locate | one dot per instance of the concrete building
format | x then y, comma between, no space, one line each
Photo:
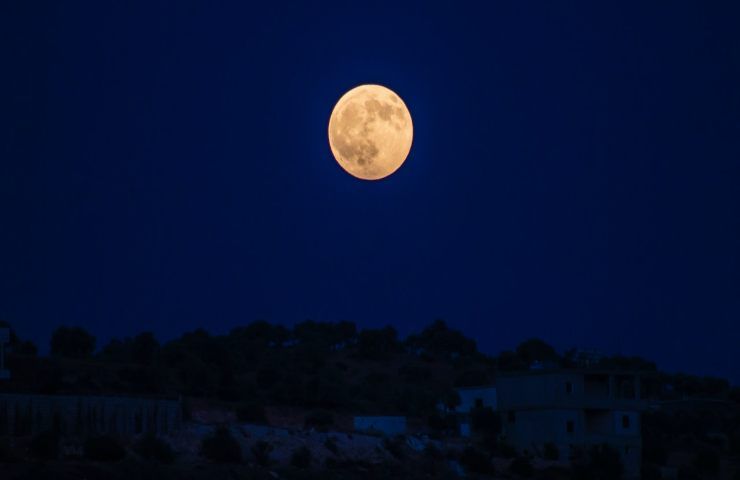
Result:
573,410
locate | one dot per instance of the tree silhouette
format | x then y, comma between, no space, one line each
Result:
536,350
16,344
72,342
439,340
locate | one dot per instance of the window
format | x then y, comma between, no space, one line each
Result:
568,387
478,403
625,421
511,417
570,426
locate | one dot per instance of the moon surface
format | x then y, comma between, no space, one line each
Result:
370,132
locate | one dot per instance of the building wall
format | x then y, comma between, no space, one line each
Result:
626,422
386,425
570,390
84,415
470,397
532,390
599,422
571,411
531,429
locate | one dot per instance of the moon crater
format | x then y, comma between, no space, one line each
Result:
370,132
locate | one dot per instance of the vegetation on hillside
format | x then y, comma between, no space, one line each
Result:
317,365
330,368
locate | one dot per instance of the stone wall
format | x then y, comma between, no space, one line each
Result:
22,415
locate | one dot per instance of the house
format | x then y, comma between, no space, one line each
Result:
573,409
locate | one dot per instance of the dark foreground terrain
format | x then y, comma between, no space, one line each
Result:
313,378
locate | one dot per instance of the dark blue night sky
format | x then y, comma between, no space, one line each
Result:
575,173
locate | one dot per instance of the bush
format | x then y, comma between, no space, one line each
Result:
301,457
251,413
485,420
551,452
153,449
650,472
654,453
221,447
45,446
687,473
331,445
475,461
321,420
489,444
6,452
707,461
72,342
104,449
432,452
603,462
395,446
261,451
520,466
443,423
267,377
506,450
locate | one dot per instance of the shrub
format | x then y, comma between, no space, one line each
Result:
520,466
331,444
104,449
475,461
267,377
6,452
221,447
432,452
603,462
443,423
395,446
654,453
72,342
251,413
485,420
301,457
506,450
487,442
45,446
650,472
550,452
687,473
153,449
261,451
321,420
707,461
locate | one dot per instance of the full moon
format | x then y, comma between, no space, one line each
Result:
370,132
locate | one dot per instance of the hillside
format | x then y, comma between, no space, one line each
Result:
317,375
